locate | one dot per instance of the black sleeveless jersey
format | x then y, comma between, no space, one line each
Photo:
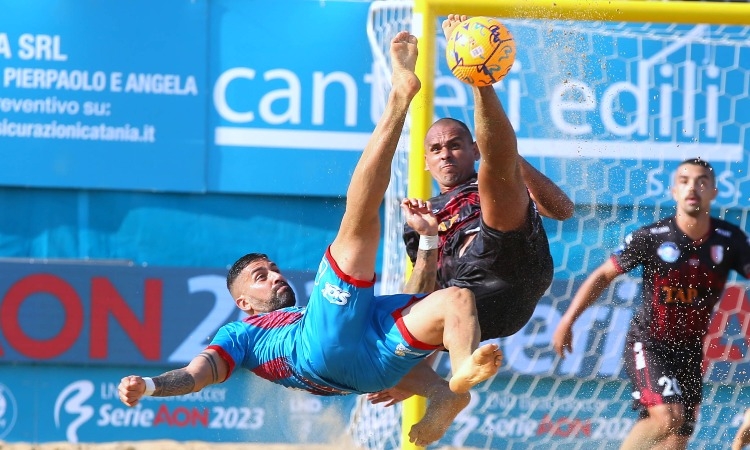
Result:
682,279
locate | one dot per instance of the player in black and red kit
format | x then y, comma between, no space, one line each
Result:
473,254
686,259
497,246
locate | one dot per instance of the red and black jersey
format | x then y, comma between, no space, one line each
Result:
508,272
682,279
457,212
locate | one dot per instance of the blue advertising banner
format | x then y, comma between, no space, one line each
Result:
76,404
105,314
104,94
81,405
81,322
290,117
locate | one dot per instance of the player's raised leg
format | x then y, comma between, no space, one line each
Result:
449,317
356,243
455,310
502,189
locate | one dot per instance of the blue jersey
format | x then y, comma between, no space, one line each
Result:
347,340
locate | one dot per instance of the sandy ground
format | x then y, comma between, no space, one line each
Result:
162,445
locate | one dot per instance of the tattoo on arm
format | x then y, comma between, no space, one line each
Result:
174,382
214,370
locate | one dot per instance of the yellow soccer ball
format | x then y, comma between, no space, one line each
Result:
480,51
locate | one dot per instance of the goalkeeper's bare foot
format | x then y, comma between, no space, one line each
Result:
442,409
451,23
404,60
481,365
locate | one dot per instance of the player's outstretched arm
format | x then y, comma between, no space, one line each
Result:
587,294
551,201
205,369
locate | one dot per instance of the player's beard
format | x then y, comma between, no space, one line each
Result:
283,299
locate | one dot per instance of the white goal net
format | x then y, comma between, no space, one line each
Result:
607,110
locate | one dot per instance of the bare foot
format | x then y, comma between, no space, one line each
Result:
482,364
451,23
404,60
742,438
442,409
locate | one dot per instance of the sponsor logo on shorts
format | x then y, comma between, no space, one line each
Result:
402,350
8,411
335,294
668,252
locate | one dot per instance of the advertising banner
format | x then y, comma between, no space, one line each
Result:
107,94
90,325
105,314
291,93
73,404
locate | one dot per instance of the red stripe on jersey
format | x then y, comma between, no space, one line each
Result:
408,337
225,356
345,277
617,264
275,369
274,319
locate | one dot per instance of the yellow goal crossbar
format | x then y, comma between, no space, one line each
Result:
425,15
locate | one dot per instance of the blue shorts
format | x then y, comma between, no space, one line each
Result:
354,339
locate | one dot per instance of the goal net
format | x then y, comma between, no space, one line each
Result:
607,109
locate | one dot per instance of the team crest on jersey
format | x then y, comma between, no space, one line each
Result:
717,254
335,294
668,252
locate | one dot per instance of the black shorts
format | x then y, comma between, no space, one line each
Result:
508,272
665,374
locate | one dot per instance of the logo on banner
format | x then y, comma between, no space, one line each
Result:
8,410
71,400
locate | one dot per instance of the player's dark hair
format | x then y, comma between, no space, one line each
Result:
240,265
702,163
463,126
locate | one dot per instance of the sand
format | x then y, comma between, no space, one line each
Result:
161,445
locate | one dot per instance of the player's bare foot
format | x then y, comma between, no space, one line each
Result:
451,23
482,364
404,60
442,409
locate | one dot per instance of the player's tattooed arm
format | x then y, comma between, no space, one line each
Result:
174,382
202,371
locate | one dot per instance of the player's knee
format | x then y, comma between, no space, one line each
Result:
461,299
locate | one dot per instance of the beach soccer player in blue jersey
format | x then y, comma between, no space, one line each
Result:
347,340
